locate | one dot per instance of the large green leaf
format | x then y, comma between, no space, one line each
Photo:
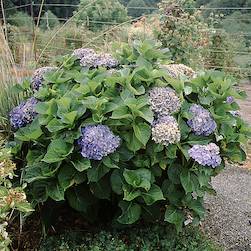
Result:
153,195
57,150
81,163
55,125
174,216
130,193
29,132
55,191
130,212
68,176
186,181
139,178
80,198
116,182
101,189
142,132
39,171
95,173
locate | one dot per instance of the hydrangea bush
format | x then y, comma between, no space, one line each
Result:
123,137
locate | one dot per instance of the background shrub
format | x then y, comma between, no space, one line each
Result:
95,16
49,21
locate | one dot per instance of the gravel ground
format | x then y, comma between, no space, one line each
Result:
228,220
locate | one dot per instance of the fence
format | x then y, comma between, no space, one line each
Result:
42,46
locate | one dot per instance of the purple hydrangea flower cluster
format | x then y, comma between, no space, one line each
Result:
83,52
202,122
97,141
230,99
164,101
206,155
38,77
89,58
165,130
23,114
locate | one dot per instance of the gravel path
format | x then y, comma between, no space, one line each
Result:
229,213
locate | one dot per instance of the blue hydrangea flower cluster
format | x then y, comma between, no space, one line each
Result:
23,114
38,77
89,58
230,99
97,141
202,122
206,155
164,101
165,130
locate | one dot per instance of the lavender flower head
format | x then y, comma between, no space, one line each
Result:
97,141
23,114
83,52
38,77
106,60
206,155
229,99
164,101
165,130
89,58
202,122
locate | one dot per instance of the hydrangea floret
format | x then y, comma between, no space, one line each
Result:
164,101
206,155
97,141
23,114
201,122
165,130
230,99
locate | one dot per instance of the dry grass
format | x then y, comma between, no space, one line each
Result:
8,77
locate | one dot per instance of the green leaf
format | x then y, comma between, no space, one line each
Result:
197,207
174,216
142,132
81,163
46,108
68,176
101,189
24,207
30,132
39,171
55,125
116,182
57,150
139,178
80,198
186,181
69,118
130,193
132,142
64,105
95,173
130,212
153,195
55,191
122,113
